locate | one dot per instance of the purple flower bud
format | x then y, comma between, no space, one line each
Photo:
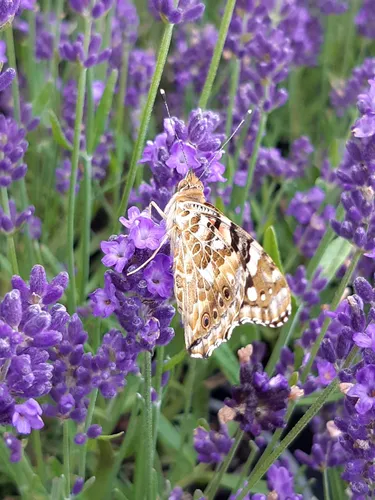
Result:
14,445
80,438
11,308
363,288
94,431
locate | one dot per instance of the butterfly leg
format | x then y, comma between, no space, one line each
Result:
157,208
163,241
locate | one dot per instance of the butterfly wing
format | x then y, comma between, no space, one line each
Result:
209,284
223,278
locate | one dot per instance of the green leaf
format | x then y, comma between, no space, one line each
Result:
334,256
109,437
271,246
103,471
228,363
58,133
170,437
41,101
337,485
104,108
311,398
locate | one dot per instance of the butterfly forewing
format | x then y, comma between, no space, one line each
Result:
223,277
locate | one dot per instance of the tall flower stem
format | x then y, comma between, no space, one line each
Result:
120,123
145,119
11,53
12,255
250,173
158,389
213,486
72,295
66,455
223,30
37,447
83,449
269,456
335,302
147,436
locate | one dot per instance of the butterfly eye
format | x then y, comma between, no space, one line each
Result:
226,292
206,320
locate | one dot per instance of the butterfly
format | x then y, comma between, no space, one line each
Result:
222,276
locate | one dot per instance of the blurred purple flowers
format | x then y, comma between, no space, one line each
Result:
212,446
185,12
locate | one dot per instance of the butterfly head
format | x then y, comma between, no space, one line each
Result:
191,184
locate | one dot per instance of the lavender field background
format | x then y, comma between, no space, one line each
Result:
98,397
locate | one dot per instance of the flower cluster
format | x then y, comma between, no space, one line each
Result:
212,446
13,221
259,403
356,175
365,20
74,51
13,147
185,12
144,314
307,291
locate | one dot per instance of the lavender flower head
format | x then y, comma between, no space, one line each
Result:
185,12
212,446
8,10
13,147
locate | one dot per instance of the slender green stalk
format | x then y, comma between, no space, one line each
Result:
11,53
157,386
174,361
87,191
83,448
72,300
223,30
250,173
37,447
12,255
327,495
247,466
145,119
120,123
349,34
335,302
283,339
147,436
233,88
289,438
66,455
213,486
32,76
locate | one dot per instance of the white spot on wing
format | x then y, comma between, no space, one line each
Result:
254,259
252,294
276,275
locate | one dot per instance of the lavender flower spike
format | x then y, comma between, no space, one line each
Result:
8,10
186,11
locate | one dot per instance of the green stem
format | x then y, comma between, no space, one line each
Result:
327,495
32,74
174,361
83,449
147,437
72,298
157,386
12,254
286,334
250,173
289,438
120,124
37,447
224,26
349,33
214,484
11,53
233,88
66,453
86,234
145,119
335,302
247,466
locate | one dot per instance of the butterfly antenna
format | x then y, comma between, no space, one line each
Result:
164,97
221,150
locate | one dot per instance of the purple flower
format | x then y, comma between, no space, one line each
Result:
365,19
74,51
8,10
80,438
26,416
6,78
117,252
14,446
146,234
364,390
94,431
77,486
12,147
259,402
308,292
186,11
159,277
15,220
182,157
104,300
212,446
281,481
365,126
39,291
326,372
